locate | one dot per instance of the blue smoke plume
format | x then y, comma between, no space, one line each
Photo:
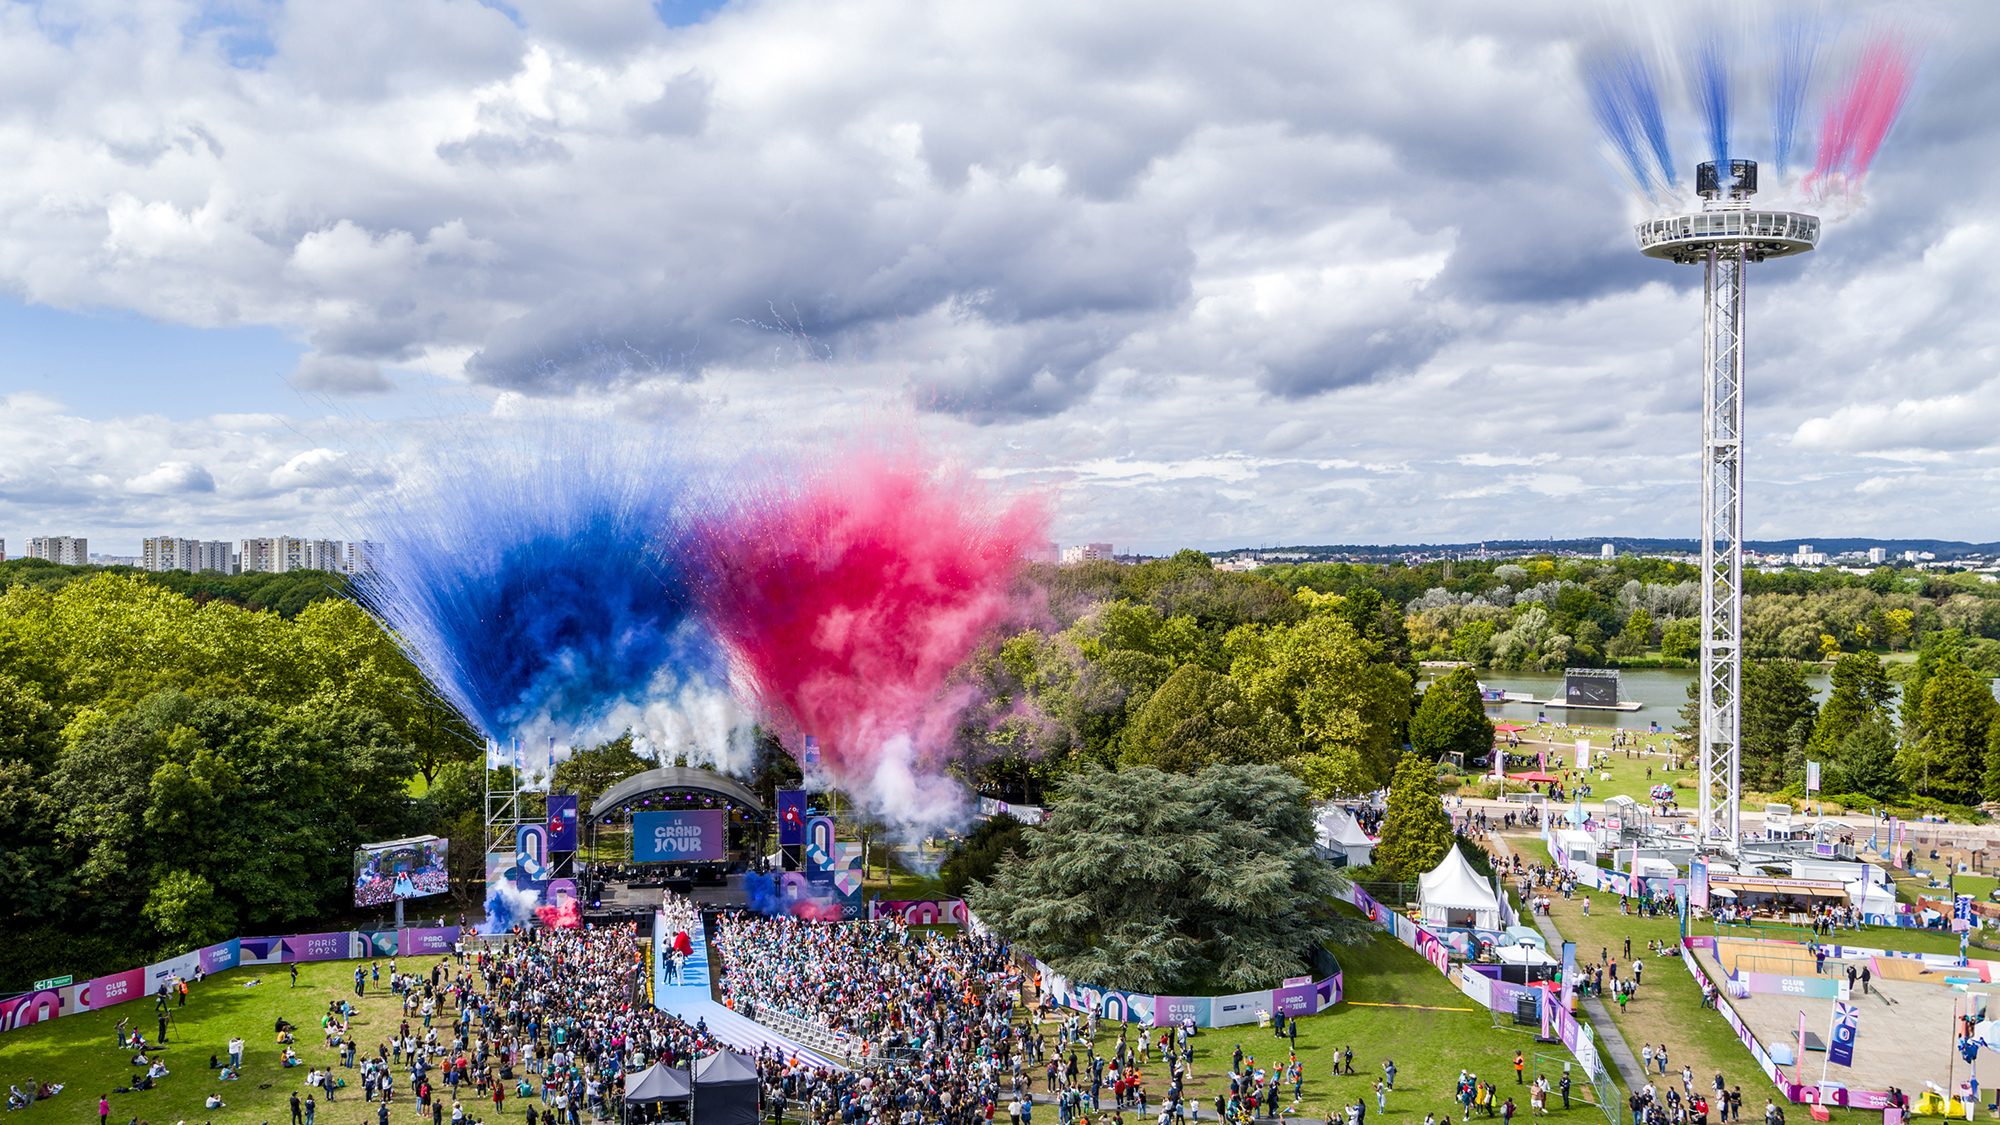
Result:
763,893
549,591
1797,40
1709,75
1626,102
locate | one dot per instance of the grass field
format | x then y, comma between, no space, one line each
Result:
1397,1007
80,1053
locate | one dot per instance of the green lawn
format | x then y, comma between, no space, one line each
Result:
1423,1022
79,1052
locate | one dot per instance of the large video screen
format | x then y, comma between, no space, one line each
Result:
397,869
1591,687
683,836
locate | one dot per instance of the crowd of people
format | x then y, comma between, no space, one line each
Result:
550,1017
880,982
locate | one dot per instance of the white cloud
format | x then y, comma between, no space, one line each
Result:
172,477
1314,273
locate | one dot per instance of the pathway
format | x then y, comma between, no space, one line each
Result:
1608,1037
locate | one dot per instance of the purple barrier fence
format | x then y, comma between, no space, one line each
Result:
106,991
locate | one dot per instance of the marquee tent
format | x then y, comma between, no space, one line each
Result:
1453,894
1338,834
657,1083
725,1090
1871,898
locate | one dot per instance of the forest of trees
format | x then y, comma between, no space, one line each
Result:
173,772
184,757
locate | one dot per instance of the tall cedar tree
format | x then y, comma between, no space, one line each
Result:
1861,689
1416,831
1452,718
1160,882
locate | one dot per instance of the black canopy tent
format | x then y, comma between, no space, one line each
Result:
728,1090
657,1092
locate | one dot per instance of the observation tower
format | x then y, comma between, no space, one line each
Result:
1724,237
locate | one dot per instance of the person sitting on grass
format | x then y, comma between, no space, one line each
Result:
291,1058
157,1070
229,1074
214,1101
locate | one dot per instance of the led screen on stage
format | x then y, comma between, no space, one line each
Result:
397,869
681,836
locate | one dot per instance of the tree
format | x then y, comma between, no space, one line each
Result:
1956,714
978,858
1160,882
1865,761
1680,638
1778,711
1416,831
1200,718
1639,627
1452,718
588,773
1861,690
183,907
1347,712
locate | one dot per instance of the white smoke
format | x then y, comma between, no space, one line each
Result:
672,720
910,802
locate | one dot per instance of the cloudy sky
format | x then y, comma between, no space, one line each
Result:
1213,274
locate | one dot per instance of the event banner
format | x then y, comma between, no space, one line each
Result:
791,817
1698,882
920,912
562,822
260,951
1295,1000
680,836
379,943
30,1008
425,943
1172,1011
114,989
819,847
225,955
319,947
1846,1026
171,970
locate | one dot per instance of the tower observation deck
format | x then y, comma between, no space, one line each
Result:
1724,237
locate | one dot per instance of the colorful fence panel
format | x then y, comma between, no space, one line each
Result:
921,912
132,984
1148,1010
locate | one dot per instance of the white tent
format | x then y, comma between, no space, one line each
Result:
1870,898
1455,895
1523,954
1338,833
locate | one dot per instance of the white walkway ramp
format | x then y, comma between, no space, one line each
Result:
746,1034
688,997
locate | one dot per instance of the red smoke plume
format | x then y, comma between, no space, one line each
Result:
848,599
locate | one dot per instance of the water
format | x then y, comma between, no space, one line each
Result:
1662,691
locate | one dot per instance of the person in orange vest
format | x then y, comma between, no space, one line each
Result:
1520,1064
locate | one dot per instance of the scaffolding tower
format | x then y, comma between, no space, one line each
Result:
1724,237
